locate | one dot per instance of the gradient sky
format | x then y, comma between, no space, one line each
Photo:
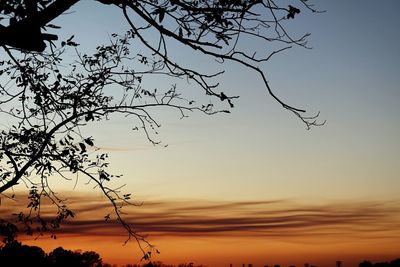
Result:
261,152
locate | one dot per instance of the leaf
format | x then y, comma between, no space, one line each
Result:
161,14
223,96
70,43
104,176
89,141
89,117
83,147
69,213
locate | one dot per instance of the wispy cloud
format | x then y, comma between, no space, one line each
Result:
279,218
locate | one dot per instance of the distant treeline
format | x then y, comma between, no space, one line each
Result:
393,263
16,254
13,253
160,264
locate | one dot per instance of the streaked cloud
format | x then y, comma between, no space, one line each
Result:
280,218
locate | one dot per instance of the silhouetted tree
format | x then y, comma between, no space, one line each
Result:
66,258
8,231
150,264
22,255
48,101
15,254
365,264
160,264
395,263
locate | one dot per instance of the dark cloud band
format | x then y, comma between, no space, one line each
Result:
258,218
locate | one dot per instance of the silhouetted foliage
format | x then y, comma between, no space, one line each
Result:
8,231
66,258
160,264
48,100
22,255
393,263
365,264
17,254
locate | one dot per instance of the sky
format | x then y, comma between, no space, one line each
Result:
260,187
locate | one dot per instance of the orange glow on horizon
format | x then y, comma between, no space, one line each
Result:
222,251
222,233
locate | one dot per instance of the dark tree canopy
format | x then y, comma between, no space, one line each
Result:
48,99
16,254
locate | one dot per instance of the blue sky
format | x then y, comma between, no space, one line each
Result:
261,150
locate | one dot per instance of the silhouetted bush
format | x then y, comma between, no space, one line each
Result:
15,254
393,263
65,258
8,231
365,264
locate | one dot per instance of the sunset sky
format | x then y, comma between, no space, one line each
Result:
255,186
